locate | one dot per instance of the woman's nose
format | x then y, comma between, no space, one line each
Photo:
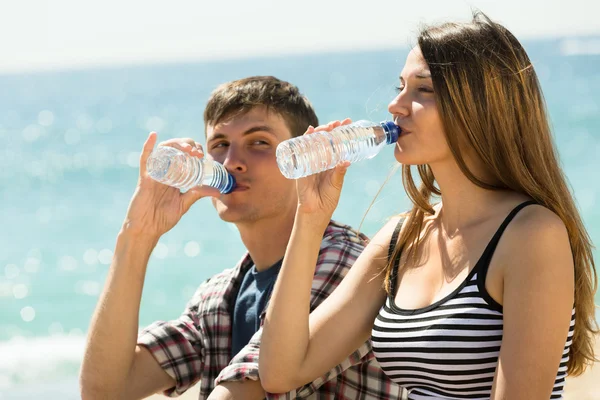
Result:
399,105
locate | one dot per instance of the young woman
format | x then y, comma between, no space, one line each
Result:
489,293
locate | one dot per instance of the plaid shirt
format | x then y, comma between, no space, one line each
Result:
197,346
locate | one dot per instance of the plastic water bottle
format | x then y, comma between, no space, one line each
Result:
175,168
309,154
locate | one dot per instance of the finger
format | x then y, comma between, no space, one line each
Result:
186,145
182,146
195,194
146,150
328,127
324,128
346,121
309,130
195,148
337,179
198,150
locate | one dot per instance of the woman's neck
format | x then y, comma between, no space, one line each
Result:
464,204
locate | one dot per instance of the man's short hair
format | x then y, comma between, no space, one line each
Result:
238,97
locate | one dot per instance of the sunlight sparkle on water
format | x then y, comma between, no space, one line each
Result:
191,249
20,291
104,125
133,159
90,257
45,118
32,265
67,263
161,251
11,271
155,123
72,136
32,132
56,328
28,314
105,256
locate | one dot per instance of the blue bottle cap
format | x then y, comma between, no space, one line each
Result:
230,185
392,131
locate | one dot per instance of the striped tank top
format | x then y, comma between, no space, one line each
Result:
450,349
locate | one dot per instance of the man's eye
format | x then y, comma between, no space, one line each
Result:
399,89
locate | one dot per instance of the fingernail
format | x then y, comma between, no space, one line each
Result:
311,127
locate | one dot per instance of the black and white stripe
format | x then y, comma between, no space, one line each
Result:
450,349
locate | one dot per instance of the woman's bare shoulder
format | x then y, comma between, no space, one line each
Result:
535,238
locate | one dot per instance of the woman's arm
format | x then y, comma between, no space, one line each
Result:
296,349
537,264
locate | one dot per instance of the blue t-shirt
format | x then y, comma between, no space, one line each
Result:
251,300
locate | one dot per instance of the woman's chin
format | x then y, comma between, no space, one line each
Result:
404,158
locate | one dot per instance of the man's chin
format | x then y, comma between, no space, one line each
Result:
229,217
228,214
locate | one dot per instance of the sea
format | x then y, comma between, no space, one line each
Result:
69,163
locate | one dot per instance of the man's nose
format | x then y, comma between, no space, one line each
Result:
235,160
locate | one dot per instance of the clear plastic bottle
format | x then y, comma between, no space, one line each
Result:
309,154
175,168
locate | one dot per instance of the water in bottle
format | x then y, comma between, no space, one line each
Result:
309,154
175,168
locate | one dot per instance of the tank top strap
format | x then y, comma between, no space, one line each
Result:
486,257
393,243
394,239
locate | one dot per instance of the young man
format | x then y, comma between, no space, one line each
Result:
211,342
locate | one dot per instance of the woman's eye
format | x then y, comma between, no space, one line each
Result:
423,89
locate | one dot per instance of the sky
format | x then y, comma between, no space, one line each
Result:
59,34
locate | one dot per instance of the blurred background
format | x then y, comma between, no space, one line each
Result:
82,84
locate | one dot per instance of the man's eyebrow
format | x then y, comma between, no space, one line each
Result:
257,128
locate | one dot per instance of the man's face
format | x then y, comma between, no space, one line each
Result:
246,145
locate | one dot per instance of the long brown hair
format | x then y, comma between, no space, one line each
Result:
490,100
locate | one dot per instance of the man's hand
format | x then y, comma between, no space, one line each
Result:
246,390
155,208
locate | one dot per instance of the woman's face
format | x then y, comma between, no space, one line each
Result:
422,140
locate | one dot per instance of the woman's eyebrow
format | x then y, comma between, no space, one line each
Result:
420,75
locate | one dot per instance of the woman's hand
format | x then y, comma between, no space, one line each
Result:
318,194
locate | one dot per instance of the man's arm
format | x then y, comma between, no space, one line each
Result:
113,365
241,372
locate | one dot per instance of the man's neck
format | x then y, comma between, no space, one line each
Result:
266,240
